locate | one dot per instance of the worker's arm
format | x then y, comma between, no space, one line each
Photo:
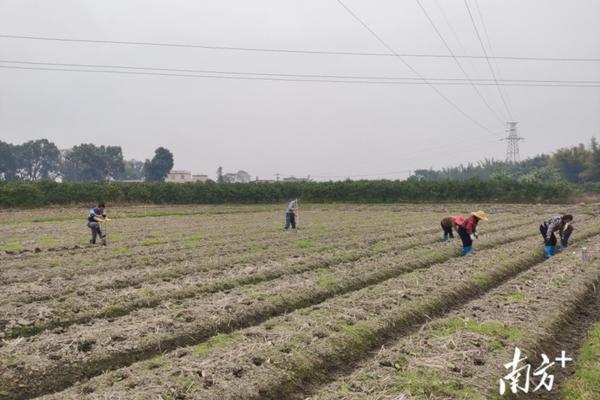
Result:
551,228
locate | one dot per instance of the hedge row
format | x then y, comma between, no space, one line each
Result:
36,194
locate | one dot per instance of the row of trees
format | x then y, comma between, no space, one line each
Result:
579,164
42,160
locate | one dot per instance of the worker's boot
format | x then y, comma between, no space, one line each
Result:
548,251
445,236
466,250
552,250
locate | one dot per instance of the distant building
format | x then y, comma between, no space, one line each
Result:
183,176
237,177
294,179
263,180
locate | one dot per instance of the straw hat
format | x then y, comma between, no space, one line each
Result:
480,214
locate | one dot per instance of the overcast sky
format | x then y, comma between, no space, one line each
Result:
301,128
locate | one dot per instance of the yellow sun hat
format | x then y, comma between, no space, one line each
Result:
480,214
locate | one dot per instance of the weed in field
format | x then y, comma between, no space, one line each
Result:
147,293
360,334
47,241
560,281
244,260
120,250
168,274
493,329
482,279
431,384
159,362
192,241
152,242
325,279
117,237
380,246
11,246
54,264
513,297
429,253
585,384
304,243
215,342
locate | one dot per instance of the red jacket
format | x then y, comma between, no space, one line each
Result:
453,221
470,224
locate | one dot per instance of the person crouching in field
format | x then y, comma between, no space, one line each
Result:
468,230
560,223
290,214
96,216
449,224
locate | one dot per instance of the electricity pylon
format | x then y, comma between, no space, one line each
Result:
512,143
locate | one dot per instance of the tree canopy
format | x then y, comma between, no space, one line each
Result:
157,169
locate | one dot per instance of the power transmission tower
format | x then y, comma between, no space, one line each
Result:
512,143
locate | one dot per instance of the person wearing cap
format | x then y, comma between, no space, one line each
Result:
563,224
468,230
449,224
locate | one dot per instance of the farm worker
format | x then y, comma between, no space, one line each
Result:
449,224
290,214
96,216
561,223
467,230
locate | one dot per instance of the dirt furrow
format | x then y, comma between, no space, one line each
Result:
462,355
114,303
419,297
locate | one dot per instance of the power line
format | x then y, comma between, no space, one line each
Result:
324,76
458,62
258,78
294,51
487,38
391,50
488,60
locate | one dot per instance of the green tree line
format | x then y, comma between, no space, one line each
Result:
578,165
42,160
36,194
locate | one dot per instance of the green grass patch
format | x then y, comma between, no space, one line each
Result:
427,383
513,297
192,241
585,383
428,253
216,342
360,334
120,250
492,329
11,246
47,241
116,237
54,264
482,279
152,242
380,246
304,243
159,362
325,279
